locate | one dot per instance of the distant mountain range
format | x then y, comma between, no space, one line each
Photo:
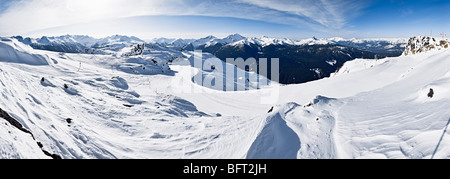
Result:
81,43
300,60
387,47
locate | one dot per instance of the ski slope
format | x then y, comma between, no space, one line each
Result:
119,109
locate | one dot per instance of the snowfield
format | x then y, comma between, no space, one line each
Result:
107,106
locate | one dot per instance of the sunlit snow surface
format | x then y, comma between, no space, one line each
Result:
369,109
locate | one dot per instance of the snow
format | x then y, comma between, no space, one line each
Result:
203,41
229,39
365,40
332,62
85,44
358,65
313,41
264,41
13,51
230,81
276,141
423,44
82,39
15,144
368,109
211,40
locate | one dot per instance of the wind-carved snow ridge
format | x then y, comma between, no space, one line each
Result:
11,50
295,131
276,140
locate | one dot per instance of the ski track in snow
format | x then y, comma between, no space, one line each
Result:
373,109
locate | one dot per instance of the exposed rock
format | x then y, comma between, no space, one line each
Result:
422,44
271,110
69,120
431,93
15,123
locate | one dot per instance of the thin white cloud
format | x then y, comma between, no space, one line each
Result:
329,13
30,15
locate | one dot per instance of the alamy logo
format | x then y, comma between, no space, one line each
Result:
213,75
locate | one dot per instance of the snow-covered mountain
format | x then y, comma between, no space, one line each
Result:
103,106
211,41
179,43
387,46
118,41
66,43
305,60
81,43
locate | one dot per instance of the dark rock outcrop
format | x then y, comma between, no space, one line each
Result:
16,124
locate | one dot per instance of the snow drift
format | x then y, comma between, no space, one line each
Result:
13,51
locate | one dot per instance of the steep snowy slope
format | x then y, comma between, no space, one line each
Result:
104,106
394,118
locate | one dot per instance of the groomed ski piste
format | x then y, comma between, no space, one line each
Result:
107,106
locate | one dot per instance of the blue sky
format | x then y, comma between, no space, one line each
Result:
403,18
295,19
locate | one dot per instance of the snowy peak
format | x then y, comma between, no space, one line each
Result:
368,43
264,41
212,41
81,43
172,42
230,39
122,38
65,39
370,40
44,40
420,44
235,37
391,46
118,39
385,46
203,41
84,40
314,41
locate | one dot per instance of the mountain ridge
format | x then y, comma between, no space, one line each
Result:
302,60
84,41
